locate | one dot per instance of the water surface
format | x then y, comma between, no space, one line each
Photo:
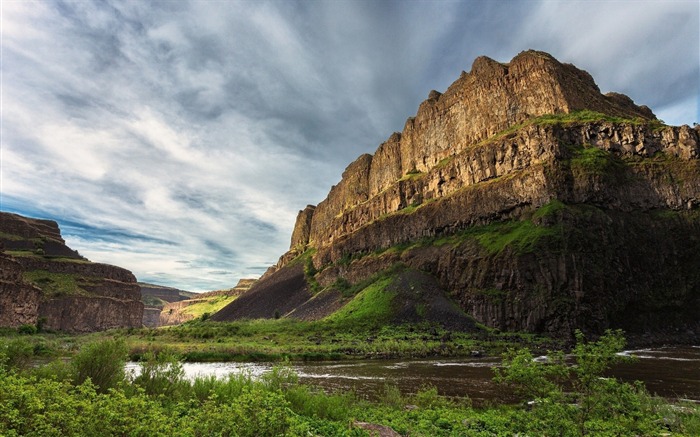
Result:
671,372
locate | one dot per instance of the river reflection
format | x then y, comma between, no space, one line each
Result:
672,372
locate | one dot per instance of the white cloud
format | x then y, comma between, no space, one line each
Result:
191,133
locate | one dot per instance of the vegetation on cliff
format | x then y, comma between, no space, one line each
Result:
44,282
534,201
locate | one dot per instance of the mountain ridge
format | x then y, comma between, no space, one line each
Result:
46,283
534,151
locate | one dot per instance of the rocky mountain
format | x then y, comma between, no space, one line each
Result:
175,313
155,297
44,282
527,197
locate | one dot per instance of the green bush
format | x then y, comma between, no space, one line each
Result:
27,329
102,362
256,412
309,402
162,374
16,353
58,370
576,399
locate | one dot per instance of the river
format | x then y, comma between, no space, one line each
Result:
671,372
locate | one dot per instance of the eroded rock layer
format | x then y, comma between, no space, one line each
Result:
537,203
46,283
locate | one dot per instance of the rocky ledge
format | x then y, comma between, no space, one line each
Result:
536,202
46,283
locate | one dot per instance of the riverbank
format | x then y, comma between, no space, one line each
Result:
285,339
91,395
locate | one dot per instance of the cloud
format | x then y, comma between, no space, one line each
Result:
179,139
648,50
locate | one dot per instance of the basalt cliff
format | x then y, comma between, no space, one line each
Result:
522,194
45,283
201,305
156,297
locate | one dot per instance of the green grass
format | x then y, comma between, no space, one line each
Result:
90,395
592,160
583,116
411,175
550,208
371,305
212,305
494,295
13,237
32,254
57,284
444,162
575,117
522,236
153,301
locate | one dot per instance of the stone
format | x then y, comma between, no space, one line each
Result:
302,229
618,188
106,296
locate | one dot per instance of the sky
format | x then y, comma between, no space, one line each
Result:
179,139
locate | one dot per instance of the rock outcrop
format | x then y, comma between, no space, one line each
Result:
45,282
175,313
533,176
19,300
155,297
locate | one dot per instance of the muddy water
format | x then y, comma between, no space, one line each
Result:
672,372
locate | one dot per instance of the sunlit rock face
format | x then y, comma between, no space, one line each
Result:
539,204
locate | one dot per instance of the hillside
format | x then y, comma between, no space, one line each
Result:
535,203
155,297
201,304
46,283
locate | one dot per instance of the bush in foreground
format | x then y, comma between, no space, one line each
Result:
567,400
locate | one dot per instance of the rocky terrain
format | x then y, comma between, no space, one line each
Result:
534,201
181,311
45,283
155,297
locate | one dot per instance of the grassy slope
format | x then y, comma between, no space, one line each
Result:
210,305
55,284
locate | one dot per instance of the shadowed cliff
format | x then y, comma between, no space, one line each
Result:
534,201
46,283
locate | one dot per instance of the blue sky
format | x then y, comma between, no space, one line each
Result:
179,139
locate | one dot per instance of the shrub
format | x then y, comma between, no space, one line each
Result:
101,362
308,402
16,353
256,412
162,374
27,329
577,399
391,396
58,370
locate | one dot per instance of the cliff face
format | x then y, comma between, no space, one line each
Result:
533,177
155,297
43,279
19,300
491,98
600,162
175,313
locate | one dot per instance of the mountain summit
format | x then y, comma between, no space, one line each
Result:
523,195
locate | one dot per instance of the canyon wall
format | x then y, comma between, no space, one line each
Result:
45,282
538,204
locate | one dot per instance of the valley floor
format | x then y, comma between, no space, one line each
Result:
81,389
